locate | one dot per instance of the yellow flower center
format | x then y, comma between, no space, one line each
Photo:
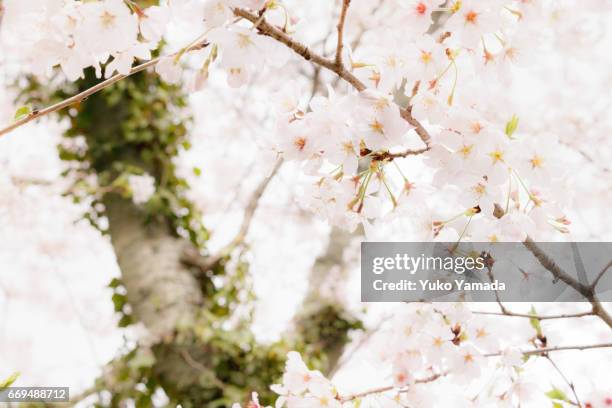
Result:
426,57
466,150
377,127
108,20
381,103
391,61
536,161
479,189
497,156
244,41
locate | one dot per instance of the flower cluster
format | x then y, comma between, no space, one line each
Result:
444,341
419,95
76,35
424,140
496,182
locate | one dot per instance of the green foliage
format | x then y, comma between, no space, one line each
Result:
120,303
4,384
139,126
535,322
324,330
22,112
134,127
557,394
511,126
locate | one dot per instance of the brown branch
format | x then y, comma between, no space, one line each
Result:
387,156
553,349
341,21
406,114
302,50
436,376
601,274
392,156
35,114
587,291
549,264
192,257
379,390
269,30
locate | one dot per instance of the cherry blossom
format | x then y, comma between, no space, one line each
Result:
461,120
141,187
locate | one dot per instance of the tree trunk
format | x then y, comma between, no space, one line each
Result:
161,291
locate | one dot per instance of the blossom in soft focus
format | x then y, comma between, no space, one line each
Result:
141,187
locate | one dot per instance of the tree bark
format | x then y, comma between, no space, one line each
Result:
161,291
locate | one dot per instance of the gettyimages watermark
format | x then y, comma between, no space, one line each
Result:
486,272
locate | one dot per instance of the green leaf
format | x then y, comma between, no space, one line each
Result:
142,359
197,171
7,383
557,394
511,126
22,112
114,283
557,405
119,301
535,323
125,321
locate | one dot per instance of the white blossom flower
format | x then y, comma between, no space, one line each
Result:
107,26
170,70
154,23
141,187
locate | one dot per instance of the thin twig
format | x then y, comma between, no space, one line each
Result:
35,114
364,339
341,21
601,274
193,258
379,390
568,382
554,349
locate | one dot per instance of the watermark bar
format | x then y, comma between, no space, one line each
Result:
35,394
486,272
